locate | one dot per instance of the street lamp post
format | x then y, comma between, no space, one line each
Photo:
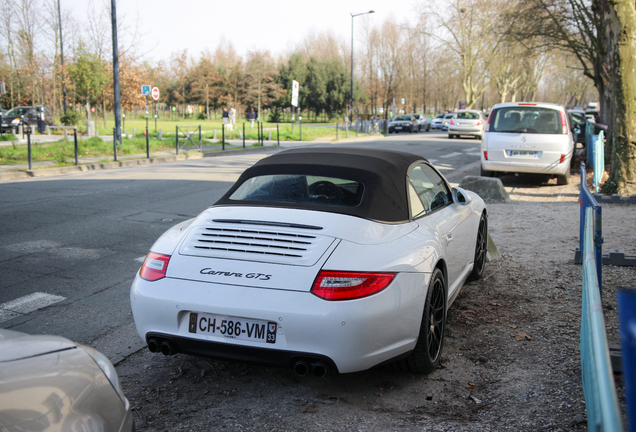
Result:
351,96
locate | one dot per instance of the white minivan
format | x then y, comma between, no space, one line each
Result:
528,137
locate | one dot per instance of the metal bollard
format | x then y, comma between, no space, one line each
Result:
115,143
243,134
336,131
626,298
223,138
28,134
147,140
177,135
277,135
76,149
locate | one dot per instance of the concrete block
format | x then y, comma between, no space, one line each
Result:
488,188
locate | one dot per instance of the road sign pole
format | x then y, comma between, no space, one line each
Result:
147,139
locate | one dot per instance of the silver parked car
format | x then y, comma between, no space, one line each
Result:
423,124
48,383
528,137
467,122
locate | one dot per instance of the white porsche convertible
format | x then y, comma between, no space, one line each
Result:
319,259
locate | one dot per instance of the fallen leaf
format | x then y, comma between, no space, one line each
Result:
308,409
164,411
513,326
322,395
522,336
379,394
495,304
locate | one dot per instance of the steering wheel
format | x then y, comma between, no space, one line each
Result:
326,189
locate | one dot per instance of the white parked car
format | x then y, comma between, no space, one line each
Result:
446,120
528,137
467,122
317,259
437,122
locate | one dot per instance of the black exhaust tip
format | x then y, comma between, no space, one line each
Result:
168,348
301,368
319,369
153,345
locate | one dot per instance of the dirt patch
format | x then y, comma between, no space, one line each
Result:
511,360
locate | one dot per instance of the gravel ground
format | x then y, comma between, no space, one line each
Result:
511,360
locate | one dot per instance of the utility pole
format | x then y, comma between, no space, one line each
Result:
59,14
116,91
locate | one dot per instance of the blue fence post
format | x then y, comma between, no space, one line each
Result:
588,200
627,319
598,383
599,161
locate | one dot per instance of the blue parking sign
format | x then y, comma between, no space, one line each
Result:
145,90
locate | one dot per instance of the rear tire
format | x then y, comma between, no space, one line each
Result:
428,350
481,249
564,179
484,173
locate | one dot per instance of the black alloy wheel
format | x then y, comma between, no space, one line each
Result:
428,350
481,249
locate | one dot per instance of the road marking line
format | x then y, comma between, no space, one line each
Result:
27,304
451,155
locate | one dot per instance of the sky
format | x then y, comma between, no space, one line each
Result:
169,26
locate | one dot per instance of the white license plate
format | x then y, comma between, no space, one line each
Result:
232,327
520,153
398,127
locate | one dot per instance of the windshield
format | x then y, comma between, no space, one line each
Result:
467,115
526,119
402,118
302,189
17,112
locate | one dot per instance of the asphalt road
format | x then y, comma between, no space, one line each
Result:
71,244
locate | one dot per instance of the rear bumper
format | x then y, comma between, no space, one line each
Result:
528,167
350,335
465,131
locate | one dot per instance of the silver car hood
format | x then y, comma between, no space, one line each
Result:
17,345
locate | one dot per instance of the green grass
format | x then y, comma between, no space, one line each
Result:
63,150
8,137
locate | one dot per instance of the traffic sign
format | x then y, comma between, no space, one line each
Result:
155,93
145,90
294,100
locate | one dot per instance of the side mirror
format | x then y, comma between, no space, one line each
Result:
576,130
460,196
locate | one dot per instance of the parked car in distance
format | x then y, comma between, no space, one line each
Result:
316,259
403,123
467,122
596,115
446,121
27,114
423,124
48,383
528,137
437,122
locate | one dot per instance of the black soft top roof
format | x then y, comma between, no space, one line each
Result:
382,172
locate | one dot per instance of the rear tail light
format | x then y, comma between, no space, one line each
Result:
562,159
486,154
564,124
478,123
339,285
489,120
154,267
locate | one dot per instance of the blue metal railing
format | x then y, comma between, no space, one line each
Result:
627,318
588,200
598,383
